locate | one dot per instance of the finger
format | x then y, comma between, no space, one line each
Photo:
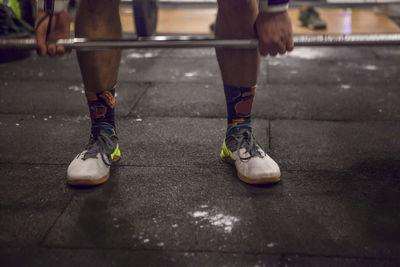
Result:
263,50
41,50
281,48
273,51
290,45
60,50
41,43
51,49
40,33
276,46
266,47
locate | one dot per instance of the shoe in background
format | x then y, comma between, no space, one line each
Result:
309,17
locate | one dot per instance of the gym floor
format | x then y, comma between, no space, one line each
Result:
329,116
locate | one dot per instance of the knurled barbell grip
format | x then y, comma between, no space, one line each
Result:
198,42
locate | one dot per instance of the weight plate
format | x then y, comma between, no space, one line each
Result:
145,14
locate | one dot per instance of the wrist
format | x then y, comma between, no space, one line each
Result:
54,6
273,6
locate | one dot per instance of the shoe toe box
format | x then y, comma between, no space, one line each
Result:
87,169
263,167
258,168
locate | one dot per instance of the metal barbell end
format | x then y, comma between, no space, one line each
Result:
201,42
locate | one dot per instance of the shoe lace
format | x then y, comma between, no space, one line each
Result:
102,144
245,139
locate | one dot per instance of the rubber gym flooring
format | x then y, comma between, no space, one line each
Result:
329,116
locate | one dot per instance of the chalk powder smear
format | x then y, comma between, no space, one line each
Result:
226,222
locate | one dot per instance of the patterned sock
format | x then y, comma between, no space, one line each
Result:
239,101
101,107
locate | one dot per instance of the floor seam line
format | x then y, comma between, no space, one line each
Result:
139,99
47,233
131,116
269,135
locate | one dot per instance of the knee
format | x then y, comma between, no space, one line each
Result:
99,6
236,18
238,7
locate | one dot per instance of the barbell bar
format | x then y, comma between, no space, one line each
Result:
187,41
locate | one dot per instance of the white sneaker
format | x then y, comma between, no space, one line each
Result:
92,166
252,164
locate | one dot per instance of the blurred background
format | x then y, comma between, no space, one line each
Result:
197,16
308,17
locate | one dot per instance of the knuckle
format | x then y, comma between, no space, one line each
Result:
263,51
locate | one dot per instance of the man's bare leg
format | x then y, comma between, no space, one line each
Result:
235,20
239,69
98,19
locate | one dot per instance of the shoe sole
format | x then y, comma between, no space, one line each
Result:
312,27
97,181
248,180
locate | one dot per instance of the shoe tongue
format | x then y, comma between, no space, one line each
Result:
243,131
91,149
101,130
232,140
93,146
238,130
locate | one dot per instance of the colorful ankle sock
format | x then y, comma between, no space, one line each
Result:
101,107
239,101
